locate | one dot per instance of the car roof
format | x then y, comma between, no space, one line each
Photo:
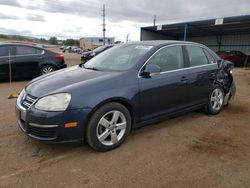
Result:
20,44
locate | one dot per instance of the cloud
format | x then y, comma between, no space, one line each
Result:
35,17
141,11
123,16
14,3
8,17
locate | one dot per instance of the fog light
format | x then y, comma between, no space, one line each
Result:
71,124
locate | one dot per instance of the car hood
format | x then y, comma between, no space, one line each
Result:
65,80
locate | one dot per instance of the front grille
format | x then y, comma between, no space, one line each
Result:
28,101
46,133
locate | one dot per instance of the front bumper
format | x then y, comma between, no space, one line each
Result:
49,126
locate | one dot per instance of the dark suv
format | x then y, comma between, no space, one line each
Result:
27,61
85,56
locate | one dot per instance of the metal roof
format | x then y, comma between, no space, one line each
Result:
230,26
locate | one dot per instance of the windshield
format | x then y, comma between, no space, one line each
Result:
118,58
99,49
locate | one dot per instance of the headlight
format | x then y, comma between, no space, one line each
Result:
56,102
20,96
231,71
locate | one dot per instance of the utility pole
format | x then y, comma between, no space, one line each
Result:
10,68
103,24
154,20
127,38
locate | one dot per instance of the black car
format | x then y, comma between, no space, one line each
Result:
27,61
126,87
85,56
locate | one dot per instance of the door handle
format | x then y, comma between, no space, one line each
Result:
184,79
9,61
213,74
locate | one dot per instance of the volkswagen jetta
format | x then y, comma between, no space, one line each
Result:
126,87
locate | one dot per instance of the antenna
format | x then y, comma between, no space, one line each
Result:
103,24
154,20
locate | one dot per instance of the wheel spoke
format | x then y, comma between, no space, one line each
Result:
120,126
104,135
213,99
114,137
220,95
115,117
104,122
214,105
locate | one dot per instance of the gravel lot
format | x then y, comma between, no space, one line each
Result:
193,150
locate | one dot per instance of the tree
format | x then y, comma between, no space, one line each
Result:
71,42
53,40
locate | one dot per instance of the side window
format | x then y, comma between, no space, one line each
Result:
25,50
196,56
4,51
209,57
39,51
238,53
168,58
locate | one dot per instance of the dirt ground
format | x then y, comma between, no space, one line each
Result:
193,150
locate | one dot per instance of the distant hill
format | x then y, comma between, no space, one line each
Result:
22,38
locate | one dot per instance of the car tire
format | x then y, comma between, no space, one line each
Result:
46,69
215,101
108,127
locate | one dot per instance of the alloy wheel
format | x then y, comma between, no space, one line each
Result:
47,69
111,128
217,99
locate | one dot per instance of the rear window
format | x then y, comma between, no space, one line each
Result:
209,56
26,50
196,56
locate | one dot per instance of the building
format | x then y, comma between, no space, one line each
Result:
90,43
231,33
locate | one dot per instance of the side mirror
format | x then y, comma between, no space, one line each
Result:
150,70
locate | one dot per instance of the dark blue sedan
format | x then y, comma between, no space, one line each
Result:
125,87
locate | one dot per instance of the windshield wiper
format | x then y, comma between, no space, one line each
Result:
91,68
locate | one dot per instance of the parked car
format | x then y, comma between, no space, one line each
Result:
28,61
62,47
85,56
76,50
238,58
123,88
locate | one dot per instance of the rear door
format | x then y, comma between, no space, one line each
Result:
6,59
26,62
167,92
201,74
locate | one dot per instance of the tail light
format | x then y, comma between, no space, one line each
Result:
59,56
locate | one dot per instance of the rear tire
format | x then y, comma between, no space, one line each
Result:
108,127
215,102
46,69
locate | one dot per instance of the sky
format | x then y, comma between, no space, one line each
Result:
82,18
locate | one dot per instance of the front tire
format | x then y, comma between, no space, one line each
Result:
215,102
108,127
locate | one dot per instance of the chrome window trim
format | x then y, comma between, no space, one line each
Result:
43,52
185,68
